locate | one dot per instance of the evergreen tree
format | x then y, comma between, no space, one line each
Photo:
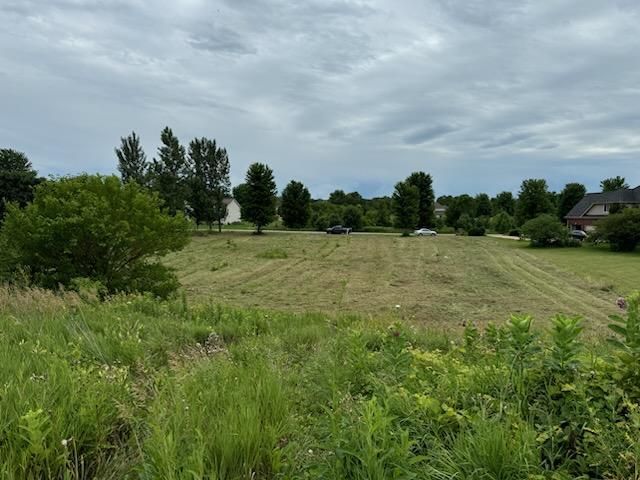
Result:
132,161
569,197
534,199
17,179
424,183
295,209
170,173
614,183
209,181
260,197
483,206
504,202
406,205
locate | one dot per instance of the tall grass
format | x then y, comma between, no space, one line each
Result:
136,388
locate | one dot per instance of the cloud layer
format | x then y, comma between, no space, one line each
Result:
336,93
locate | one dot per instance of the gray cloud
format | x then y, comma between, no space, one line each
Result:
426,134
328,91
507,140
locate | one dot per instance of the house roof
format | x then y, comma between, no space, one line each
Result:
439,206
227,200
622,195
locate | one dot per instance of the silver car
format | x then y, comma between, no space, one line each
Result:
425,232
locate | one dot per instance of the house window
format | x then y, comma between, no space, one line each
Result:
606,207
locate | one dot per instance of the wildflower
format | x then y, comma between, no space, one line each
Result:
310,452
622,303
397,306
66,441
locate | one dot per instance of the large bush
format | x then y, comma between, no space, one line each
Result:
93,227
621,230
502,222
546,231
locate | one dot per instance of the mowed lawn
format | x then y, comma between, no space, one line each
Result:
442,281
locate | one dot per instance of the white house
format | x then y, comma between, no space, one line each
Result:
233,210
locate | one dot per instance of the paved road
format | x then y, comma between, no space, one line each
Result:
314,232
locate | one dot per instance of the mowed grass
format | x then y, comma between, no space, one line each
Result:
441,281
597,265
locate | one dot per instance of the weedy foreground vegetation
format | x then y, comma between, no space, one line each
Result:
138,388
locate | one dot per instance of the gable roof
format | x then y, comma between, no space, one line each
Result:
622,195
228,200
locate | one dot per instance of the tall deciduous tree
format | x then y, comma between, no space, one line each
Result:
459,206
169,172
570,195
295,209
208,180
260,198
482,204
352,217
17,179
534,199
614,183
504,202
424,183
132,161
406,205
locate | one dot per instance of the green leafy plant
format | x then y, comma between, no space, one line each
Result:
628,345
565,348
96,228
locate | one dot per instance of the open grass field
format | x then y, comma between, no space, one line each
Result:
439,281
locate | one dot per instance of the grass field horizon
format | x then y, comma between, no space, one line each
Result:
441,281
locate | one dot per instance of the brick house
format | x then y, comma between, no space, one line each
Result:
595,206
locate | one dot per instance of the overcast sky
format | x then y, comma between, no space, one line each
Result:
335,93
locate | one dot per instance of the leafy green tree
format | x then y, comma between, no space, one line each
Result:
614,183
209,181
502,222
17,179
352,217
571,194
534,199
169,173
406,206
445,200
97,228
483,205
353,198
295,209
545,231
424,183
132,161
504,202
621,230
338,197
458,206
260,199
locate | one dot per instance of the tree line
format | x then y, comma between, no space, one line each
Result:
195,180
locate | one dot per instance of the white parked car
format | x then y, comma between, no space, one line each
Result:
425,232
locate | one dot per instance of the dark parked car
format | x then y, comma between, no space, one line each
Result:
578,234
339,230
